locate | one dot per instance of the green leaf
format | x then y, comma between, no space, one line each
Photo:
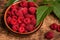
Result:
56,9
10,2
49,1
42,12
30,0
58,1
34,0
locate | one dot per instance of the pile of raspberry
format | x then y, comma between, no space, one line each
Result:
21,17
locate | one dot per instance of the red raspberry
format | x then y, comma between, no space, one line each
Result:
8,19
14,7
21,30
30,16
29,28
58,28
13,11
15,27
9,13
32,10
54,26
13,21
33,21
20,19
14,17
22,25
24,4
31,4
27,21
49,35
24,10
19,13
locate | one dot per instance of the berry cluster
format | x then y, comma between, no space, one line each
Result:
54,26
21,17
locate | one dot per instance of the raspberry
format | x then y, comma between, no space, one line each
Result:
9,13
24,10
33,21
20,19
32,10
24,4
30,16
49,35
22,25
8,19
29,28
27,21
13,6
19,13
15,27
54,26
31,4
13,11
14,17
58,28
13,21
21,30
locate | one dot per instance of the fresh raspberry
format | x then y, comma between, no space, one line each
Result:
49,35
24,10
13,11
15,27
20,19
13,21
8,19
30,16
24,4
29,28
22,25
14,17
21,30
32,10
54,26
19,13
27,21
58,28
33,21
9,13
31,4
13,6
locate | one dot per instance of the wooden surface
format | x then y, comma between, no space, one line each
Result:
38,35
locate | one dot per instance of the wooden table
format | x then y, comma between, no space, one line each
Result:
38,35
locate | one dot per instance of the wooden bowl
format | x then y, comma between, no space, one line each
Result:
15,31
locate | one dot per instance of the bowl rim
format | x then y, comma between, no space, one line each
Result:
15,31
